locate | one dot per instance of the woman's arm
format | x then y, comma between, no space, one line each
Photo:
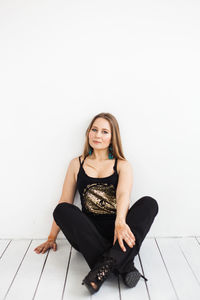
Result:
68,193
124,187
54,232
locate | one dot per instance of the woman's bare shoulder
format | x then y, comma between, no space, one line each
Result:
123,163
76,162
76,159
75,165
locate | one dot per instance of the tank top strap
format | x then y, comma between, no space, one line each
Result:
115,166
81,163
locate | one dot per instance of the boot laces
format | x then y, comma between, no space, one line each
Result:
103,272
105,269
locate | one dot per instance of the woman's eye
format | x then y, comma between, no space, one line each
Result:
103,131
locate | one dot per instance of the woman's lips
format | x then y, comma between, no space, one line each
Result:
96,142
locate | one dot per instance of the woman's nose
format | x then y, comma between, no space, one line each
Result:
98,134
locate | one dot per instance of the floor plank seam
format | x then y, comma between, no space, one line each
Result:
41,274
188,264
145,276
17,270
5,248
167,269
68,264
197,237
119,287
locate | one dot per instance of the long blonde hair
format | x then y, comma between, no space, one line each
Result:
115,133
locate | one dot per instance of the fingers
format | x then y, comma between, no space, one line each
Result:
132,235
121,244
37,250
44,250
115,237
54,247
129,240
44,247
125,234
40,249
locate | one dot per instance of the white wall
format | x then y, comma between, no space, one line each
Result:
62,62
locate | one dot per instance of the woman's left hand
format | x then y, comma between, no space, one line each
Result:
123,232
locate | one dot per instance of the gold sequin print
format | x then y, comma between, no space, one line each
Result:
100,198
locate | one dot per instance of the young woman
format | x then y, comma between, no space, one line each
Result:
106,231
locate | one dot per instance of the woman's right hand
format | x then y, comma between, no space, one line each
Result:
45,246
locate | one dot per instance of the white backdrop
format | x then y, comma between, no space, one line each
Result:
62,62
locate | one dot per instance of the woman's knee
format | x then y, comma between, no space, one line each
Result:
146,203
151,203
63,208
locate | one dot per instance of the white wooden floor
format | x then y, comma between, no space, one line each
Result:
171,265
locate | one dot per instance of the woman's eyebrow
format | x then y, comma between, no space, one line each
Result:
102,128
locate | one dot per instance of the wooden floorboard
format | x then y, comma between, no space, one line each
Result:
171,265
29,272
159,283
76,271
184,281
140,292
191,251
52,281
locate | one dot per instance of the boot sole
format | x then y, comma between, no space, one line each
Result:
132,278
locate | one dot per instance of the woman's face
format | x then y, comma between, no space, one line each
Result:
100,132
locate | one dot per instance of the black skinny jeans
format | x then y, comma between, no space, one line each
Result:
94,238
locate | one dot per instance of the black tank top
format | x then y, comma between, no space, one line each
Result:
98,195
